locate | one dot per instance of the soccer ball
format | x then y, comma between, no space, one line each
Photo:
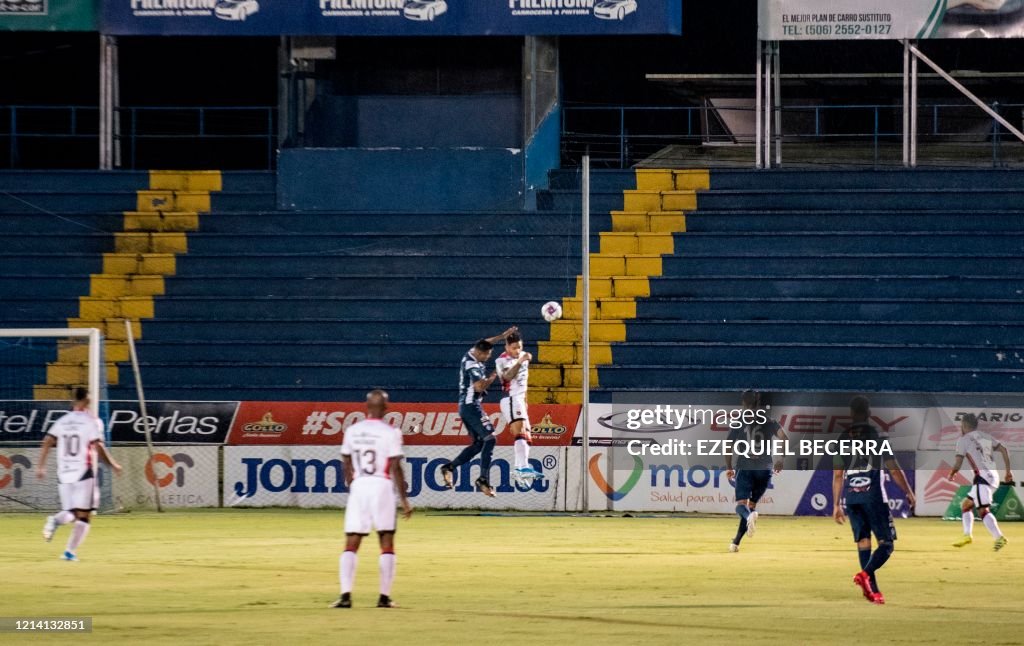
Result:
551,311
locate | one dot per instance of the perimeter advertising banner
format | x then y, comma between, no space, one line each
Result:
624,477
48,15
390,17
887,20
186,476
298,423
312,476
181,422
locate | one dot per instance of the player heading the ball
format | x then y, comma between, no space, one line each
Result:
513,368
473,385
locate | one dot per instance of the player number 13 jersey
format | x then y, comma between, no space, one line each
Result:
372,444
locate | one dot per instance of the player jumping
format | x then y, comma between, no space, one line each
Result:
753,474
513,368
78,436
372,455
866,502
977,446
473,385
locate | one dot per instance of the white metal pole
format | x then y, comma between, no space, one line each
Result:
906,103
104,137
777,65
758,154
768,108
95,355
913,112
142,405
585,412
115,101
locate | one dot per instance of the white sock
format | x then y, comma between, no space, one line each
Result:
968,518
63,518
993,526
522,450
387,573
78,534
347,570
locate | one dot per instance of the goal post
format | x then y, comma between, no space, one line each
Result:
39,370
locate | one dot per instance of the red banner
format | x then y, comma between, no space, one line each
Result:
324,423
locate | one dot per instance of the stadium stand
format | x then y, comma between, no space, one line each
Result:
784,280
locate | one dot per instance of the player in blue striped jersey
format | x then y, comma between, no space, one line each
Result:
473,384
858,482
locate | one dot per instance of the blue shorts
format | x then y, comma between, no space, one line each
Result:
871,518
752,483
475,420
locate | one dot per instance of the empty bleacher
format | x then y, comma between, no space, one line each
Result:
805,280
782,280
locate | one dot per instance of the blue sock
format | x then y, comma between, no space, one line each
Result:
864,554
879,557
743,511
741,531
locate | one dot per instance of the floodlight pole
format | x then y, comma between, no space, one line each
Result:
585,297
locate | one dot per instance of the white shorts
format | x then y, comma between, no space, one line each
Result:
514,408
84,495
981,492
371,505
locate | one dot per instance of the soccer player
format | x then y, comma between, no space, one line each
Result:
472,387
513,368
78,438
977,447
866,503
753,474
372,456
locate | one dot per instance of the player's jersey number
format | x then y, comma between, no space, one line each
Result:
72,445
366,461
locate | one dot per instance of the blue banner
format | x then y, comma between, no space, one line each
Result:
390,17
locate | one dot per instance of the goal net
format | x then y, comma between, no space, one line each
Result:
40,370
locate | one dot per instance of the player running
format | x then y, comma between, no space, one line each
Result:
78,436
513,368
473,386
977,447
372,456
866,502
753,474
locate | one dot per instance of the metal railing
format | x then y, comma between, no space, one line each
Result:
144,137
620,136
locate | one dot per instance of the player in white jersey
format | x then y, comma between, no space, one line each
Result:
977,447
78,438
513,367
372,455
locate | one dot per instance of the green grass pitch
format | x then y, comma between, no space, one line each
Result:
266,577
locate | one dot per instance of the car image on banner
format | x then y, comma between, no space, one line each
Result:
424,9
236,9
614,9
